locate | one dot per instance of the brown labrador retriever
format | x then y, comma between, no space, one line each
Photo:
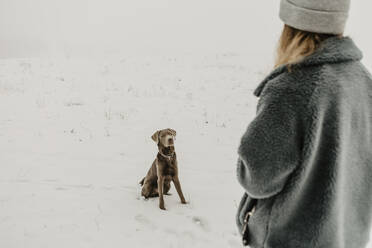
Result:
163,170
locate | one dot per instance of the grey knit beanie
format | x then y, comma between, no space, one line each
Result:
319,16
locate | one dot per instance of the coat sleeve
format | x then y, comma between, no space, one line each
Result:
270,149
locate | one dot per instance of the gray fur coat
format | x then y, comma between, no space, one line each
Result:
305,160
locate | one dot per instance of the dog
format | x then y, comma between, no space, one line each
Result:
163,170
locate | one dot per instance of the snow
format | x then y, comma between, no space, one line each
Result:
75,136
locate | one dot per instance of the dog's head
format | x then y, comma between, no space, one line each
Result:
164,137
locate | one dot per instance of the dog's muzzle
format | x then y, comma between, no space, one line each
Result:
169,140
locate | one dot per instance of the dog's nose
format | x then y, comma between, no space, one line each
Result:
170,140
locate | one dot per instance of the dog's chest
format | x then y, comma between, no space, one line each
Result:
169,170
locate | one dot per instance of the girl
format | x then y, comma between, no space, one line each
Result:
305,161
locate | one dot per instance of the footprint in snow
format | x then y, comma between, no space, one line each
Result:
144,221
61,188
200,222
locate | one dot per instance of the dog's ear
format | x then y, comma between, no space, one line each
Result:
173,132
155,136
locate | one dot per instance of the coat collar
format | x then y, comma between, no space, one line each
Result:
332,50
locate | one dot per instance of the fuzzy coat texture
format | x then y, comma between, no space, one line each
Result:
307,155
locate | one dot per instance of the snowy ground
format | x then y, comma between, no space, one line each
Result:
75,136
75,140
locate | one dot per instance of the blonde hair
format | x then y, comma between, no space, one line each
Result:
295,44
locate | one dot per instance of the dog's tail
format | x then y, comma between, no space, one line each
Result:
142,181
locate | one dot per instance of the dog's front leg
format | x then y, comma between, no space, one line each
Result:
160,189
159,172
177,184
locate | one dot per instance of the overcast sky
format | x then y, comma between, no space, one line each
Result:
31,28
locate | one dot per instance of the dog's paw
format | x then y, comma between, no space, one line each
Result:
184,202
161,204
